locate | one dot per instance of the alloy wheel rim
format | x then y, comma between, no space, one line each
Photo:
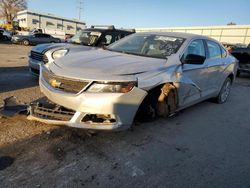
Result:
225,91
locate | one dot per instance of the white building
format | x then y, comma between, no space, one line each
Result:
30,19
227,33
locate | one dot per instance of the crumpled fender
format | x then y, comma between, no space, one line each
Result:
169,73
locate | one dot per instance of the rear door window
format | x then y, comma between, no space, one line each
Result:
214,50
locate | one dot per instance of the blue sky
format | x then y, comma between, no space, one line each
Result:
150,13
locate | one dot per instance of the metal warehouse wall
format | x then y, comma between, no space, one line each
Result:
230,34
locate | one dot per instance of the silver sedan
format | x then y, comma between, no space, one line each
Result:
142,76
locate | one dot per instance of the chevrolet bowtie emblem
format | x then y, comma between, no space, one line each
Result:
55,83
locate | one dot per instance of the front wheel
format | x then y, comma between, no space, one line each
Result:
160,102
224,92
26,42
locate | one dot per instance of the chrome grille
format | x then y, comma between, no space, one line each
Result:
51,111
39,57
63,84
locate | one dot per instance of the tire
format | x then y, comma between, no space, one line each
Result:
26,42
147,110
238,73
157,104
224,92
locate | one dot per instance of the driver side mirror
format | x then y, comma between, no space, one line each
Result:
194,59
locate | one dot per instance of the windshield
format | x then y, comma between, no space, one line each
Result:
85,37
150,45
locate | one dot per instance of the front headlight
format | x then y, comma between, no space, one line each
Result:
59,53
111,87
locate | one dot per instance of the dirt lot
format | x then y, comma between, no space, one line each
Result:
207,145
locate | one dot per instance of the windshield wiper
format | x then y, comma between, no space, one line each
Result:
124,52
107,48
72,42
132,53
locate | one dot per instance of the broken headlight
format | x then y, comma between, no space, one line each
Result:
59,53
111,87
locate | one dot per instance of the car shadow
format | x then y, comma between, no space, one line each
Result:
5,42
14,78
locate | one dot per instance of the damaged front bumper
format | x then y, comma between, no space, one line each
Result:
99,111
48,112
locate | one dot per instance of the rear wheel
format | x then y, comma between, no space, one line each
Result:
26,42
224,92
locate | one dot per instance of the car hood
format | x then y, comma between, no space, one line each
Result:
106,65
42,48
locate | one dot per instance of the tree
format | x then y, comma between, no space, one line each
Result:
9,9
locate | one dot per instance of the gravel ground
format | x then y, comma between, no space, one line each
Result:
207,145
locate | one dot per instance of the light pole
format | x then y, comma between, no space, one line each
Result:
80,8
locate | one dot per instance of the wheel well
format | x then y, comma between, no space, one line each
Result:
155,89
157,98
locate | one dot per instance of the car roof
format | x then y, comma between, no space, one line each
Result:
176,34
107,30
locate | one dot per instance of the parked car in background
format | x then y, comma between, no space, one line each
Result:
96,36
5,35
1,35
243,55
68,38
57,33
231,46
34,39
142,75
